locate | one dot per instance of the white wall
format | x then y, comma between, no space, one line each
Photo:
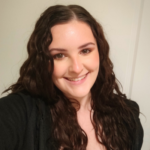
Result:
140,89
127,27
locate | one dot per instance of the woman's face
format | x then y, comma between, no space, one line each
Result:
76,58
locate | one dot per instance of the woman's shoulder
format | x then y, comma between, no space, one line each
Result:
20,120
139,132
133,105
17,108
17,103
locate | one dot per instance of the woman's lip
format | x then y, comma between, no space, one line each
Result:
77,82
76,77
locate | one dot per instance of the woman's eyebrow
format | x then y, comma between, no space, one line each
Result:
87,44
61,49
57,49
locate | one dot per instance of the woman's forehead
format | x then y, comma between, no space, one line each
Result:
71,33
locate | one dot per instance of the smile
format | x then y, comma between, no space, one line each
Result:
77,80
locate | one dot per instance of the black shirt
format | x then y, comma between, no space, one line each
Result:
25,124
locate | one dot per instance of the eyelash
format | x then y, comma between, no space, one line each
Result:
86,51
58,58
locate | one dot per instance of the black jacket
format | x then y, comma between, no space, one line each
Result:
25,124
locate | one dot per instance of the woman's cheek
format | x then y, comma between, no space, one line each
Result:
59,69
94,61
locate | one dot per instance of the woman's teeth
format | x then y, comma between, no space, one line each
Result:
77,79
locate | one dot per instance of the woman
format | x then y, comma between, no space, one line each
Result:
66,96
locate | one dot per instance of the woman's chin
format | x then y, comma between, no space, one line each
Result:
78,95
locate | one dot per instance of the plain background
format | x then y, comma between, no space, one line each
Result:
126,25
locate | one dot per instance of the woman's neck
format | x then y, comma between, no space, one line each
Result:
84,102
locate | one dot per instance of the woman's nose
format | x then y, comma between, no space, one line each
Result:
76,65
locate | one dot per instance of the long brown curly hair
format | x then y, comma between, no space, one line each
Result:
112,118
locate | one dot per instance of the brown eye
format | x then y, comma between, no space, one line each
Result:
59,56
85,51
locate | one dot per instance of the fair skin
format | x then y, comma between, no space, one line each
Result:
76,66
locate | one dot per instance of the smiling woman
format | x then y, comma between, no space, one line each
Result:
76,67
66,97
